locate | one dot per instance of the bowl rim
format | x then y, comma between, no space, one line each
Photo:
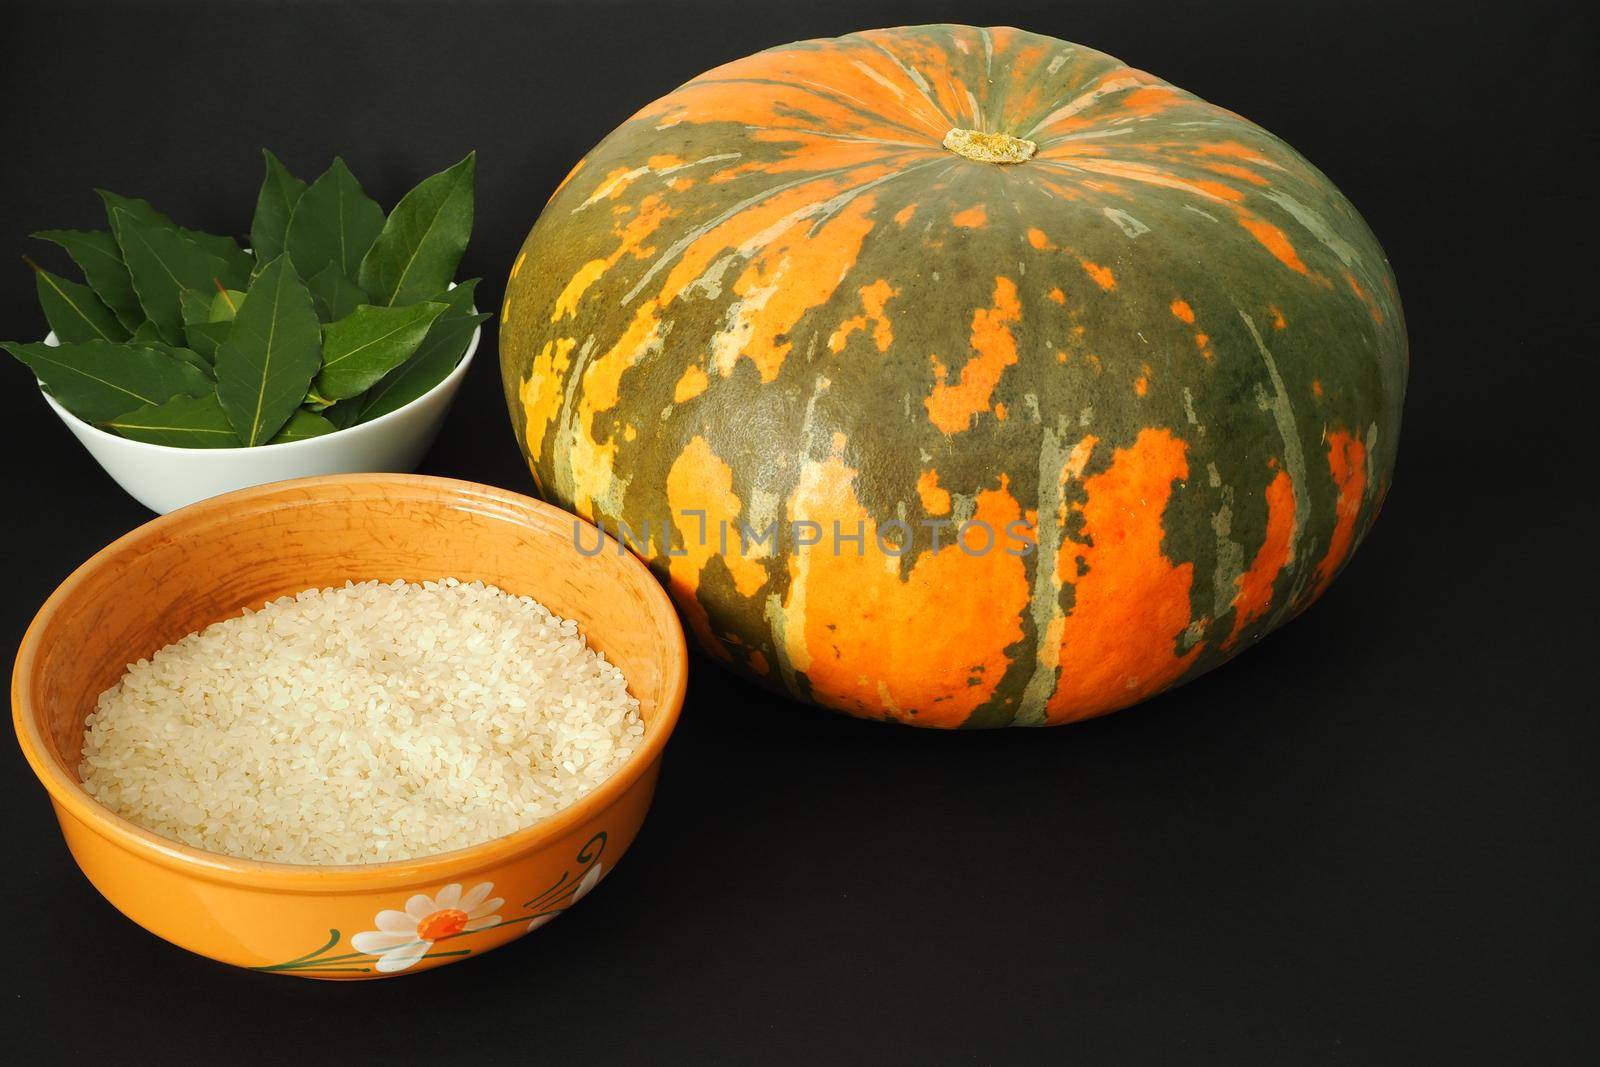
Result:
69,795
153,449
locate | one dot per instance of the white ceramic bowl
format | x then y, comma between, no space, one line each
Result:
164,477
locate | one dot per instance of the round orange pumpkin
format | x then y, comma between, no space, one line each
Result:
1078,383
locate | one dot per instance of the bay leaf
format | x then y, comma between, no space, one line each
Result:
73,311
147,335
185,355
195,305
280,191
135,208
183,421
423,240
362,347
163,263
431,364
234,264
334,221
271,353
204,337
301,425
435,358
345,413
335,294
225,305
97,255
237,264
99,380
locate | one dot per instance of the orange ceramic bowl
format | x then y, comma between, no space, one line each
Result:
206,562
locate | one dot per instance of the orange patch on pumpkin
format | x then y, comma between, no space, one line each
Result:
1234,150
1255,585
973,218
651,212
741,229
1130,602
795,97
799,270
577,285
591,461
1231,170
1057,295
873,299
1219,190
903,216
952,407
1151,100
1038,239
1278,321
935,500
1347,462
1183,311
1102,275
859,631
1274,240
1362,295
541,393
699,481
690,385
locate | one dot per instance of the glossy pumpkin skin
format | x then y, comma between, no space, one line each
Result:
1165,344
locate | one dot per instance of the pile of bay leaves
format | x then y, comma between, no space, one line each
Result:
335,315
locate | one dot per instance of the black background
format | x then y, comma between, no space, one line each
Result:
1372,840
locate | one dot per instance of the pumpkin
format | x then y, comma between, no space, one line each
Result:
1050,384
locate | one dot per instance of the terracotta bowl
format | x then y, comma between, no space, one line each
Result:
208,561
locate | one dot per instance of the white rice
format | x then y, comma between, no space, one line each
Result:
373,722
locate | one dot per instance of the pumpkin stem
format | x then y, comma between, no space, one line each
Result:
989,147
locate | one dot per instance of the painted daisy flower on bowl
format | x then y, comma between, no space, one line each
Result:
404,937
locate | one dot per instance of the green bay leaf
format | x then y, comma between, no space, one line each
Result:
431,364
234,264
334,221
345,413
225,305
163,264
183,421
280,191
335,294
421,245
73,311
195,305
362,347
99,380
97,255
185,355
204,337
134,208
301,425
271,353
147,334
